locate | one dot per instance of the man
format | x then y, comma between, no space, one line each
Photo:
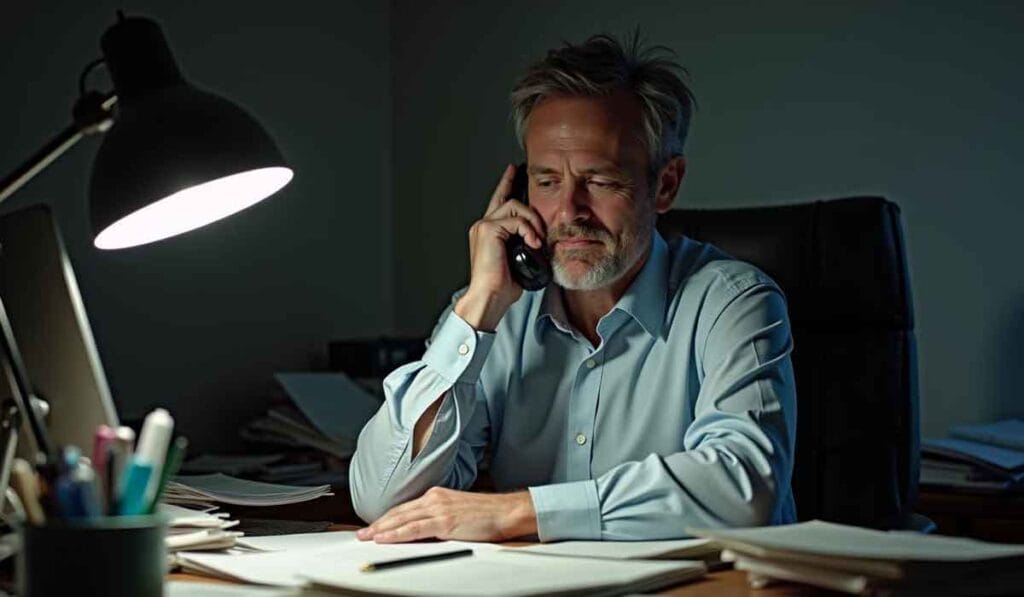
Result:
647,390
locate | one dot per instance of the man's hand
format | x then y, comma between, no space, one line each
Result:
491,287
460,515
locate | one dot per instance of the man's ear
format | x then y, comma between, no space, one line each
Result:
669,179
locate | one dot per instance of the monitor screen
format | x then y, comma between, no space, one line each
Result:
51,329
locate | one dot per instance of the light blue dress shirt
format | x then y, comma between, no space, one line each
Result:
683,416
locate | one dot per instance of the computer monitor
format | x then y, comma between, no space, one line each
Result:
49,324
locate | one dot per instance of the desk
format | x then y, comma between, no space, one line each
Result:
725,583
982,515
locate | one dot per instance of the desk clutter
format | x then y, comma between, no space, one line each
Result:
864,561
987,457
339,562
310,431
121,478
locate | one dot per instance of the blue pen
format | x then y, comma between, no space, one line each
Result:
66,492
84,479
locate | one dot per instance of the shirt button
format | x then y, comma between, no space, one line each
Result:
591,363
581,439
463,349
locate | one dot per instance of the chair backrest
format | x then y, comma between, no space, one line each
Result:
842,265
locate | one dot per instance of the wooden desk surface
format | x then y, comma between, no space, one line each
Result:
724,583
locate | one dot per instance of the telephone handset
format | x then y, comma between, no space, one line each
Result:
530,268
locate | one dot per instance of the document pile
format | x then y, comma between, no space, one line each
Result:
272,468
864,561
337,562
984,457
205,491
321,413
198,529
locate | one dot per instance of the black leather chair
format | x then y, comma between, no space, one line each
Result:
842,266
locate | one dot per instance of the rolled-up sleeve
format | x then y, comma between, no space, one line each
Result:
383,472
738,458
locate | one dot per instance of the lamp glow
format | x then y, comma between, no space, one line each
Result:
193,207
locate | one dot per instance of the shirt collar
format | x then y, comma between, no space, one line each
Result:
644,300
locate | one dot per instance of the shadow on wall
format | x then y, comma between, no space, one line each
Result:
1009,367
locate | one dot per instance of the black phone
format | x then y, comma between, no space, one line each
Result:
530,268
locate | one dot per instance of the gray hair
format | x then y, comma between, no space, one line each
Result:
602,65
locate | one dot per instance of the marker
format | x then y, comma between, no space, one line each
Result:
123,447
138,487
102,447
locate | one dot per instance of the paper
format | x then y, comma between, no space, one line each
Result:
282,568
627,550
185,517
335,404
1010,461
841,541
1008,433
507,572
298,541
177,588
230,490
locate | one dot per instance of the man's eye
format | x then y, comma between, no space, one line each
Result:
545,183
603,184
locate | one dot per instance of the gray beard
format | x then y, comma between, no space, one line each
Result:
607,270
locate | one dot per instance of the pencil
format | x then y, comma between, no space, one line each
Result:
374,566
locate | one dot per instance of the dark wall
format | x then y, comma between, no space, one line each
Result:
918,101
198,323
394,116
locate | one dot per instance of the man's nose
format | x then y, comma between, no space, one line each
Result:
574,202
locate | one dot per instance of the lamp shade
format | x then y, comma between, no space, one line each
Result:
177,157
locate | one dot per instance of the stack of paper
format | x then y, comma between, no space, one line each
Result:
332,561
976,457
857,560
323,412
207,490
198,529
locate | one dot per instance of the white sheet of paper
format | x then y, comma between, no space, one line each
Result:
620,550
282,568
177,588
506,573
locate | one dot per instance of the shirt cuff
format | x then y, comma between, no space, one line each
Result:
458,351
567,511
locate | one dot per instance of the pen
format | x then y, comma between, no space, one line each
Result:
374,566
84,480
175,455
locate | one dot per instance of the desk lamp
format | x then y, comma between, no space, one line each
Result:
174,158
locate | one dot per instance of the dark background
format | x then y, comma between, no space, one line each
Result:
395,118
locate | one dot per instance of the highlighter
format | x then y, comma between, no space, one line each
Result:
142,475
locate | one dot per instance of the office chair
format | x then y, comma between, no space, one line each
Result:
843,269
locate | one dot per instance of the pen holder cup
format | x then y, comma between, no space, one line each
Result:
110,556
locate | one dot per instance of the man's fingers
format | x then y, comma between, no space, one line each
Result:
412,531
398,516
513,208
502,190
524,228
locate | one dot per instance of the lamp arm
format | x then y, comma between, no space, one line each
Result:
92,114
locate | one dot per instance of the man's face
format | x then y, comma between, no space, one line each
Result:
588,180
